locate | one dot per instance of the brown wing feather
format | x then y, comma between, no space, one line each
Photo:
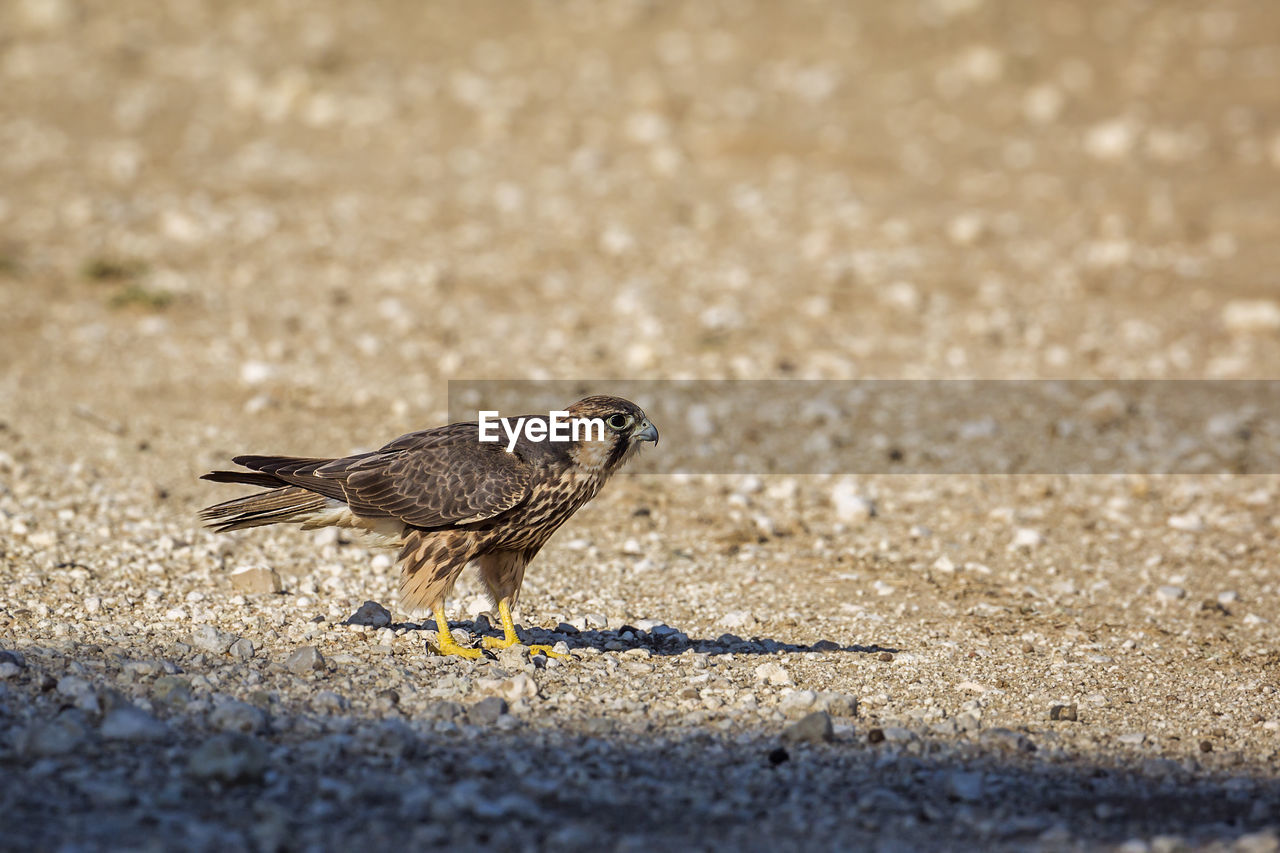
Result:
436,478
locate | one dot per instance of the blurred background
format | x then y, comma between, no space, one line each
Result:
282,227
209,209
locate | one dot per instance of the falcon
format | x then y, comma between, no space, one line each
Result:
447,499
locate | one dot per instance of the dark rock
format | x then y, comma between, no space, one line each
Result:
372,614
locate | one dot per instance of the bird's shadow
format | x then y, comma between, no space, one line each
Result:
661,641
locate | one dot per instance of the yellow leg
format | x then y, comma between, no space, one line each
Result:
444,639
510,638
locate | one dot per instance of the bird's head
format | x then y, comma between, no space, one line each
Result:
625,428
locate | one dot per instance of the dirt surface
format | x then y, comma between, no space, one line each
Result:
280,227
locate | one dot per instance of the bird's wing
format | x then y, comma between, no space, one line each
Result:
435,478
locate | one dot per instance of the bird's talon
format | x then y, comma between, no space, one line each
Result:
455,650
548,651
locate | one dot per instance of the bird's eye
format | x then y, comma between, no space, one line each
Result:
617,421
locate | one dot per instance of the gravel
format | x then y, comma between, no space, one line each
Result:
234,230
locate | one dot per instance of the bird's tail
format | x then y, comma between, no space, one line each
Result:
276,506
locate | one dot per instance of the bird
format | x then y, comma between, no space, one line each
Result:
447,499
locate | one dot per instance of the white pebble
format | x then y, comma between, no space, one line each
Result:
1110,140
1026,537
1245,316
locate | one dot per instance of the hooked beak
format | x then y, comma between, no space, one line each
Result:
646,432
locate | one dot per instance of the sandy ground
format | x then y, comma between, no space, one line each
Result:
282,227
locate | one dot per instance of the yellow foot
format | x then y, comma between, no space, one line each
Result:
445,643
509,637
496,643
451,647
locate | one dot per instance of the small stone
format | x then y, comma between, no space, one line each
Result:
9,670
814,727
487,711
73,687
851,506
1171,593
778,756
254,580
232,715
1105,407
838,704
444,710
1189,522
256,372
595,621
130,723
171,690
305,660
242,648
897,734
773,673
387,699
209,639
136,669
372,614
1265,841
229,759
1132,739
885,657
79,691
329,702
965,786
797,703
1228,597
968,721
513,657
1063,712
739,619
60,736
875,736
519,686
390,738
1026,537
1251,316
945,565
1009,739
13,656
946,727
1110,140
